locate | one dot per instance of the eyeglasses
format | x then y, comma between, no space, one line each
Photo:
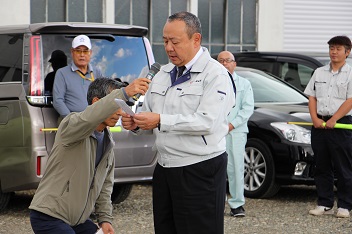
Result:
79,52
226,60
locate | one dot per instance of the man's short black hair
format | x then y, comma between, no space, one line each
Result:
192,22
101,87
341,40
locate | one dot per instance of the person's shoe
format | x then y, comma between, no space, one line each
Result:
321,210
238,212
342,213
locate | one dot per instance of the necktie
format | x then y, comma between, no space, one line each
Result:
180,71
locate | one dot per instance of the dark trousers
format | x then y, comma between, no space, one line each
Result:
190,199
333,153
44,224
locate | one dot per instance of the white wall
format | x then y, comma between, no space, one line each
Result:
109,11
308,25
15,12
193,6
302,25
270,25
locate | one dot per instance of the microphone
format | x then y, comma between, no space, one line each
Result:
155,68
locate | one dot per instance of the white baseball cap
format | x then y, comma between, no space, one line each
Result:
81,40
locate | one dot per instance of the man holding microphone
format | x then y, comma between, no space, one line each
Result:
186,107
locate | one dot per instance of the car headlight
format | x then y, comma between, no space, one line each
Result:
293,132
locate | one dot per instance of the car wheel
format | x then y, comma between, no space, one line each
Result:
4,200
259,171
120,192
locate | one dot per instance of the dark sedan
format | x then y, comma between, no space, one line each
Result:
277,153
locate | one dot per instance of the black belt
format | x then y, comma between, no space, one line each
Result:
325,117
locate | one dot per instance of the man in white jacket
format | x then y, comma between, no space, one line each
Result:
186,106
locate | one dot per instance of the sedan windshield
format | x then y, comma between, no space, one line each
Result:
269,89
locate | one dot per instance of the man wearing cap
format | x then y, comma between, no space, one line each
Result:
58,60
71,82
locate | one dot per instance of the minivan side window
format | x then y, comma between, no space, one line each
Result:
11,48
124,57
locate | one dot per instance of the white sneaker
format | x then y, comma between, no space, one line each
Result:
321,210
342,213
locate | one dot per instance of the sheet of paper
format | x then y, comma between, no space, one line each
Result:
124,106
100,231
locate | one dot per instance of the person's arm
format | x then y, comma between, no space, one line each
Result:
128,122
215,103
59,91
107,228
344,108
147,121
78,126
247,107
341,112
312,105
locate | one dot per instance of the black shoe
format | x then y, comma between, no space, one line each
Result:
238,212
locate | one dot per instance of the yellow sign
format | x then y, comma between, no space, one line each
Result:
112,129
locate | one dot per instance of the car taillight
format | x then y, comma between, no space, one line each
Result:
36,69
39,164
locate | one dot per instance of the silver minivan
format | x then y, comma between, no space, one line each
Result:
26,112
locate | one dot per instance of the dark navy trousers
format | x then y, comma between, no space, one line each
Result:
190,199
44,224
333,154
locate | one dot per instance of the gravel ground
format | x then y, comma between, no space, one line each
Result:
287,212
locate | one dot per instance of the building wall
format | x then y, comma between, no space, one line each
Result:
268,34
308,25
281,25
227,24
302,26
270,25
14,12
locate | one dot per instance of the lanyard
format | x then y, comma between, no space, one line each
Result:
84,77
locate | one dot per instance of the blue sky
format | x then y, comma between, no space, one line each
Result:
124,58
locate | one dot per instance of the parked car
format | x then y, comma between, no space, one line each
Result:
120,51
296,69
324,58
277,153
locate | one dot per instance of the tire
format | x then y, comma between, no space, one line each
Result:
259,171
4,200
120,193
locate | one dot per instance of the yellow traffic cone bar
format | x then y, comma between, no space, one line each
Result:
112,129
337,125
